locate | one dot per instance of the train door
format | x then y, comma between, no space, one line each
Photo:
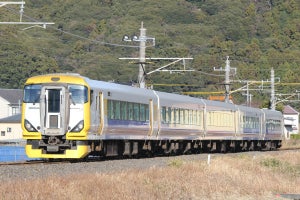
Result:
154,111
54,112
263,125
151,118
100,111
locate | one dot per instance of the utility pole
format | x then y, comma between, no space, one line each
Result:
141,76
248,95
273,103
142,39
227,78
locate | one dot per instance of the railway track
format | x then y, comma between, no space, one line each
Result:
99,159
33,162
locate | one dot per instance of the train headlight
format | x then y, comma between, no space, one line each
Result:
78,127
29,127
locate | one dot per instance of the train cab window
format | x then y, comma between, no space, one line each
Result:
78,94
32,93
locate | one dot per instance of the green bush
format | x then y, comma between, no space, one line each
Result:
271,162
295,136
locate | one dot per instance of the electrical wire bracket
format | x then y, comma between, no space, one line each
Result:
22,3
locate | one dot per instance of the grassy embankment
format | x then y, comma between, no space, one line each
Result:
227,177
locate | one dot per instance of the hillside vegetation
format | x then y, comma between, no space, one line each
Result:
87,38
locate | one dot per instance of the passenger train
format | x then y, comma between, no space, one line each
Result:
71,116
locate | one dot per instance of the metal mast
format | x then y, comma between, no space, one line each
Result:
142,39
227,78
141,76
273,103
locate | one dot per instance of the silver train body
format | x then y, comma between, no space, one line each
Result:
124,120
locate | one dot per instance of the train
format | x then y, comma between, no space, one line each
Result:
69,116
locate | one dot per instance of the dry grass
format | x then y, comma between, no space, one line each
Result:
292,143
241,177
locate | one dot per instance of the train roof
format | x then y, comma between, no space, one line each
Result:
122,92
57,78
133,92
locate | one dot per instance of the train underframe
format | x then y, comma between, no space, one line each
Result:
177,147
60,148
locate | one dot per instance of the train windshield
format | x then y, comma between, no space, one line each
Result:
78,94
32,93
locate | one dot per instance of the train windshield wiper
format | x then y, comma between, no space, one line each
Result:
72,100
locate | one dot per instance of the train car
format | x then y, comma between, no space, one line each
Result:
71,116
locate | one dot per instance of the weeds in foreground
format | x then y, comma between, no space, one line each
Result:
177,162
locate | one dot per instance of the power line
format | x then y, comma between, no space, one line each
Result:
75,35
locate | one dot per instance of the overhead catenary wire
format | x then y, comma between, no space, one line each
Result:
72,34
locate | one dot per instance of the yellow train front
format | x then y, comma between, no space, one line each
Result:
55,120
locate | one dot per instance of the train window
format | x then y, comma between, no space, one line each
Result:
32,93
53,101
130,111
181,116
110,110
250,122
168,115
186,116
79,93
176,116
142,112
172,116
124,110
147,112
163,114
210,120
117,109
196,115
136,112
193,117
273,125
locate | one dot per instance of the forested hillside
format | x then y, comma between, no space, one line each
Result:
87,38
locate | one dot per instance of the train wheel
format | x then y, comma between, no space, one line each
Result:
251,146
221,146
232,146
207,146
